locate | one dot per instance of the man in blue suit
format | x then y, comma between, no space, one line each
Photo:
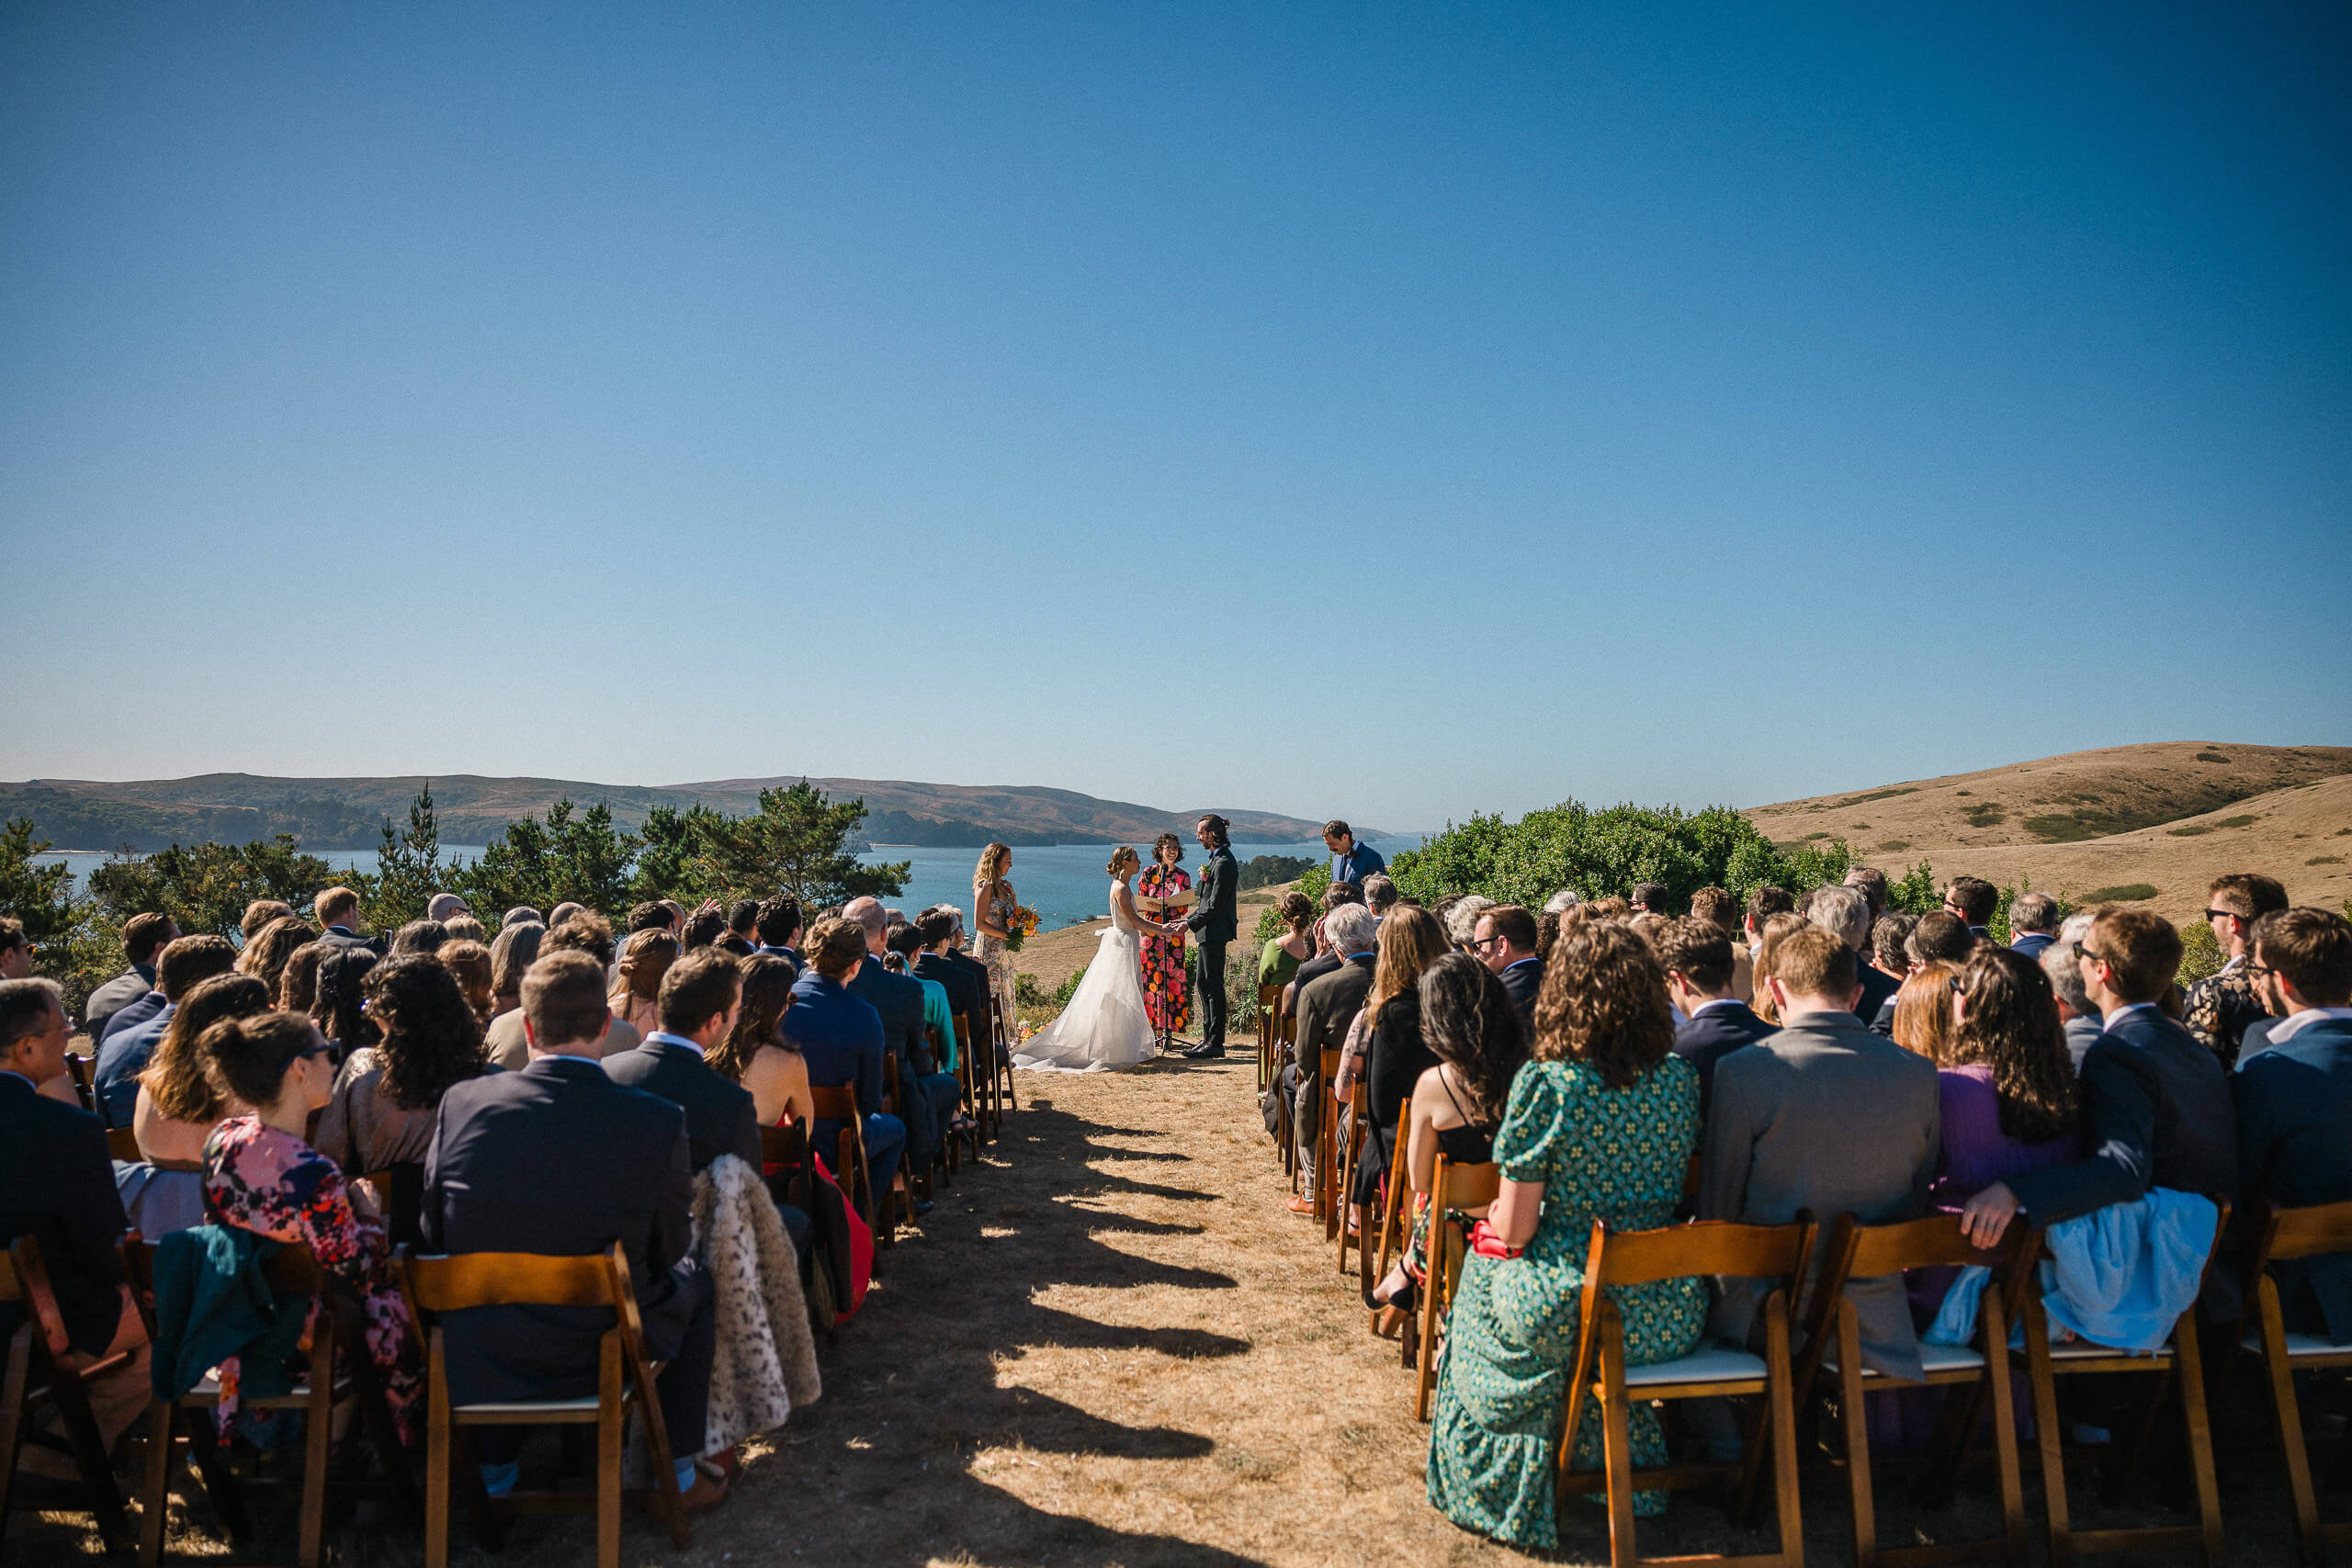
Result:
1696,956
2156,1110
840,1036
2033,923
2295,1100
1351,862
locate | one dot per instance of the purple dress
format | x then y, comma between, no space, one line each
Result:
1975,1154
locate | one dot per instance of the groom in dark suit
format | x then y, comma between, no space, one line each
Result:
1212,922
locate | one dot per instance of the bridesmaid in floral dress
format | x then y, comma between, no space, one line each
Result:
992,907
1164,995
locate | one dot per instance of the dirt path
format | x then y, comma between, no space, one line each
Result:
1111,1345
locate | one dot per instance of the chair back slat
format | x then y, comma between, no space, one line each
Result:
462,1279
123,1146
30,1288
1927,1243
834,1102
785,1146
1466,1186
2310,1232
12,1290
1702,1246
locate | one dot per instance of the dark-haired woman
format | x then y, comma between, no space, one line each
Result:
298,983
385,1104
1165,996
1600,1126
337,1007
512,952
1395,1056
1278,961
260,1176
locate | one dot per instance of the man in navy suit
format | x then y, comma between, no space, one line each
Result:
840,1036
1696,956
558,1158
1939,937
1845,913
144,937
1504,941
2295,1100
2156,1110
2033,923
1351,862
1974,900
926,1096
338,911
777,925
700,994
138,1029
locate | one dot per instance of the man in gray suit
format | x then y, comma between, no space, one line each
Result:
1326,1010
1824,1115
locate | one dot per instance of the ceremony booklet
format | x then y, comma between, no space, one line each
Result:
1174,904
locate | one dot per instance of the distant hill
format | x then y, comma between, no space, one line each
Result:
2172,816
348,813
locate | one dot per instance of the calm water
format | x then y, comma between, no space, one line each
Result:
1064,883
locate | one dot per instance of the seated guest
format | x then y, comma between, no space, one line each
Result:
1775,930
259,913
1599,1129
839,1035
904,941
2218,1006
1320,959
512,952
1652,898
654,915
298,983
521,915
966,994
1410,941
178,1107
143,940
558,1158
464,928
584,931
1888,933
1717,905
778,924
1461,919
927,1095
983,1025
2156,1104
138,1027
1504,941
2033,923
1695,954
1824,1115
700,995
1923,1017
1762,905
421,938
755,1052
637,984
1845,913
339,1009
565,911
442,907
1326,1008
743,923
337,910
1974,900
1379,894
704,927
264,956
57,1187
2076,1010
1942,937
469,963
1283,956
1871,883
261,1175
2294,1100
389,1094
2005,1096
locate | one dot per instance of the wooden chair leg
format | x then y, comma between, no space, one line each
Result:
1783,1404
1616,1442
610,1430
1857,1435
2046,1437
1425,1375
318,1435
155,1490
2188,1362
90,1456
2289,1421
437,1442
2005,1432
14,1384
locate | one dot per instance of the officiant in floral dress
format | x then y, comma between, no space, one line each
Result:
1164,994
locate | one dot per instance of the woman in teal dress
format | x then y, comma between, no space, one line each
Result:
1600,1126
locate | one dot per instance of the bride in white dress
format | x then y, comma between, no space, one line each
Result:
1106,1027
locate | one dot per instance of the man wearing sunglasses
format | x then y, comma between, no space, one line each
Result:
2219,1008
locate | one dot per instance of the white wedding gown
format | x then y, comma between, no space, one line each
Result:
1106,1027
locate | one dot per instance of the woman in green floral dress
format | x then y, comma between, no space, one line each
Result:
1600,1126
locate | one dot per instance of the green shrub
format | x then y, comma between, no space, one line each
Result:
2122,893
1272,870
1603,853
2200,953
2324,860
2211,757
1989,814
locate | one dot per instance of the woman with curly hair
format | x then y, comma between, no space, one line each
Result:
264,956
1279,960
2007,1098
1599,1127
178,1107
384,1106
1166,995
636,984
298,983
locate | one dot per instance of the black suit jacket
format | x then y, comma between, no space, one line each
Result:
979,973
57,1185
1878,991
899,1001
1212,918
720,1119
2157,1111
333,938
1521,981
965,997
1713,1034
2295,1148
558,1158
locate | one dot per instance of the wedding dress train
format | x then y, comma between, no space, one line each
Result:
1106,1027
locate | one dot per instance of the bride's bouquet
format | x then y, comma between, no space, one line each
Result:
1017,927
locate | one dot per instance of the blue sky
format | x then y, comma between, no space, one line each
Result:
1383,411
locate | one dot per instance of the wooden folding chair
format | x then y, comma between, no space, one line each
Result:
1327,1141
894,1100
1451,1187
623,1386
967,1074
2283,1236
999,1061
122,1145
2046,1362
786,1149
1391,1212
42,1378
1348,1209
399,1190
838,1102
1270,1026
1713,1371
1973,1373
945,1159
78,1069
339,1372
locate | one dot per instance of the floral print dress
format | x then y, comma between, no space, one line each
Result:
997,901
1601,1154
272,1183
1164,995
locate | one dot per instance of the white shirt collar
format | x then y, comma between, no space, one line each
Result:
662,1037
1717,1002
2287,1028
2109,1020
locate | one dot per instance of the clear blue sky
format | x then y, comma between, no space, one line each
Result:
1389,412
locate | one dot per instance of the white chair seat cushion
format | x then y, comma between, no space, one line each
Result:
2297,1343
528,1406
1708,1363
1932,1359
2083,1350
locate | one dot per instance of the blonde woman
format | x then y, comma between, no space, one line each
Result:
992,907
1106,1025
1924,1022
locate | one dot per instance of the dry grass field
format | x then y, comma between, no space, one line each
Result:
1110,1348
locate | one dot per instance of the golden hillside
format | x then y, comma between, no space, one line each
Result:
2172,816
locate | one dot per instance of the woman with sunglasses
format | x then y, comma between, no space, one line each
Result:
260,1175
